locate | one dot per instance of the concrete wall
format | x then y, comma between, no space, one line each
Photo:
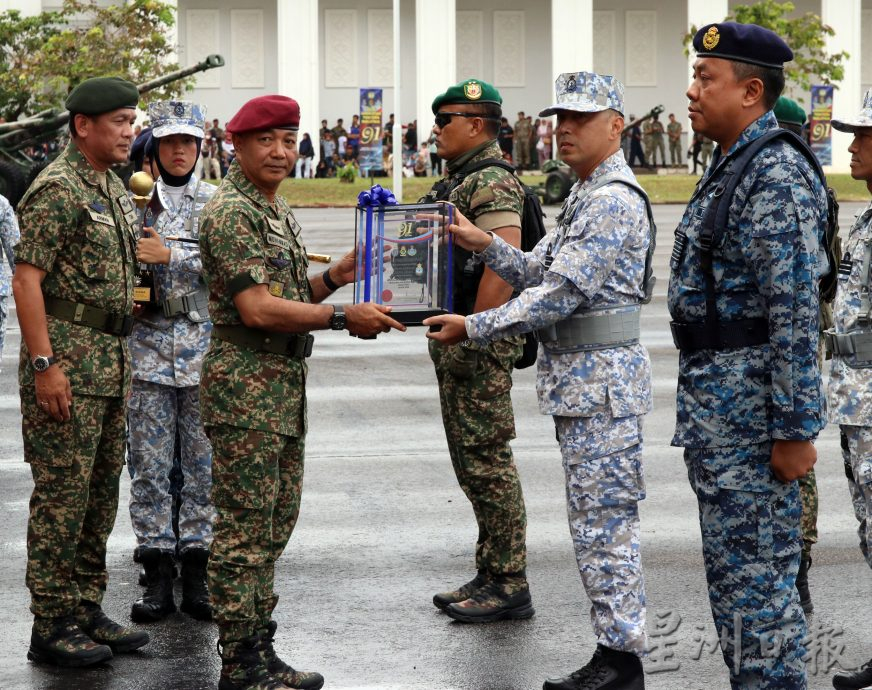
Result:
223,102
671,64
537,91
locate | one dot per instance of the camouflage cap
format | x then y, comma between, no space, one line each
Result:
468,91
789,111
864,119
102,95
177,117
587,92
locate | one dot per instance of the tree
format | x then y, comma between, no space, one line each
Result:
806,36
43,57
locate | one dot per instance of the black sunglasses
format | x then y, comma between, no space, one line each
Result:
443,118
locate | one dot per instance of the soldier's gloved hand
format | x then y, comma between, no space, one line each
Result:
792,459
368,319
53,393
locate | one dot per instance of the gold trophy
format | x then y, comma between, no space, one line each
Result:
142,184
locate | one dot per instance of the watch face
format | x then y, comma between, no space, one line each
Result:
40,363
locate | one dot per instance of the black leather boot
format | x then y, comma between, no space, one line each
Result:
609,669
61,642
195,593
156,602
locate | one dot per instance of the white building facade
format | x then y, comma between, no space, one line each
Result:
322,52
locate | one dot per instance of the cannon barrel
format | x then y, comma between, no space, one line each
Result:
656,110
51,119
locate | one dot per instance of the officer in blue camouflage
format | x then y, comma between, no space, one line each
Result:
581,289
9,236
744,305
849,392
168,343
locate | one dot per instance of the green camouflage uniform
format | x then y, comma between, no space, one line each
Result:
253,403
475,384
648,141
83,238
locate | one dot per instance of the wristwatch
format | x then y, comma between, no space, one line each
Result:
337,321
42,363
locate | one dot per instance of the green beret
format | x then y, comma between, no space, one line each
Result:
789,111
469,91
102,95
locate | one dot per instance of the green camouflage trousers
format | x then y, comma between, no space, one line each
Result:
257,478
75,467
809,494
475,385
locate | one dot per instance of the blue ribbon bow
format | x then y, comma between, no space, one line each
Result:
376,196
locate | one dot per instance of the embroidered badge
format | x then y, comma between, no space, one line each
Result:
472,90
571,84
711,38
276,288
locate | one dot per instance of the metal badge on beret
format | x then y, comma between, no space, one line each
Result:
711,38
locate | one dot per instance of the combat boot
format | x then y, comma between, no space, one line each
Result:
156,602
303,680
802,585
61,642
462,593
195,593
243,668
861,678
608,669
504,597
103,630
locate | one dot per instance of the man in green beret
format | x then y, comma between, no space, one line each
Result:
475,381
73,287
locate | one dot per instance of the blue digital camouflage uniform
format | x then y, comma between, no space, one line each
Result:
597,397
849,393
167,355
733,403
9,236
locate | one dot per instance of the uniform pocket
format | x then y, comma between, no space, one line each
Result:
97,254
238,479
46,441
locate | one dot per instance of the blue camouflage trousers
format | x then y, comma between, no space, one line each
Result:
751,543
602,460
154,414
857,456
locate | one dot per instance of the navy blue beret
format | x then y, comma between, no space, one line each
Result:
742,43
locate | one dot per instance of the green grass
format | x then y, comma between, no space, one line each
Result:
663,189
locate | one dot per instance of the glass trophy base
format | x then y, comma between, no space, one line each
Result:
415,317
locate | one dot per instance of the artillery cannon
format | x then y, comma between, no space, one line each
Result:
559,177
18,168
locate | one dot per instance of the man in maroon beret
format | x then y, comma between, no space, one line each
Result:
252,389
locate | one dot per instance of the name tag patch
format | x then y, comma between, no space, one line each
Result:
278,241
103,218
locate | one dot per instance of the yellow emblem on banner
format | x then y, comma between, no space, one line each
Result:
472,90
711,38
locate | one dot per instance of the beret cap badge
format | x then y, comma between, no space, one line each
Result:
711,38
472,90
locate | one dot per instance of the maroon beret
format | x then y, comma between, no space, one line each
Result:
266,112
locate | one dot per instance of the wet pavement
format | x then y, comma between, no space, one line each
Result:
384,525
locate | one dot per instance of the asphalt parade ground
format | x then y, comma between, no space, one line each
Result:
384,526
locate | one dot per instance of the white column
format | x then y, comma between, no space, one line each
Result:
298,52
436,68
700,13
845,17
571,37
397,133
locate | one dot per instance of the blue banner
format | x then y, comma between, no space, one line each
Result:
819,129
370,156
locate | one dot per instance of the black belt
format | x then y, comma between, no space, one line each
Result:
287,344
724,334
86,315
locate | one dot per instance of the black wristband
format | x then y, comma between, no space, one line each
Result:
328,281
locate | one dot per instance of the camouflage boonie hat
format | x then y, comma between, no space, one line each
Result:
864,119
586,92
177,117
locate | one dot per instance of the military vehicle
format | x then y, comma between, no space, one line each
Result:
559,177
19,167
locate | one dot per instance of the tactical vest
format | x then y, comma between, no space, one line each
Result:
589,329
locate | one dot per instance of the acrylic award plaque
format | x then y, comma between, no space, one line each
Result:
404,259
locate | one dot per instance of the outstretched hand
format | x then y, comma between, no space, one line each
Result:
450,328
368,319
